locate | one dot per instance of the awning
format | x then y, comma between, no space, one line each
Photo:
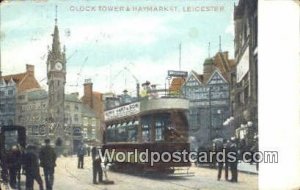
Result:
108,127
130,123
137,122
119,125
113,126
124,124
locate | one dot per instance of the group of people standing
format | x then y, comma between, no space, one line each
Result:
228,146
30,160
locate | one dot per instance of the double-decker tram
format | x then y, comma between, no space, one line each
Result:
154,125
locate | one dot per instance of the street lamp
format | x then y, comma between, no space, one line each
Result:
250,123
228,121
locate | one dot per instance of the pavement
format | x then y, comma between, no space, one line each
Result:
69,177
247,168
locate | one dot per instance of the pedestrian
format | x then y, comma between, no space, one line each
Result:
254,149
222,162
31,167
234,163
48,163
14,166
80,155
227,149
97,170
88,150
94,153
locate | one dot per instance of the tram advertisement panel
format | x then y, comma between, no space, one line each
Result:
122,111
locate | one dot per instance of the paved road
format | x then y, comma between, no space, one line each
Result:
68,177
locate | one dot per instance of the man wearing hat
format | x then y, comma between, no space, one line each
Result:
31,168
234,164
47,161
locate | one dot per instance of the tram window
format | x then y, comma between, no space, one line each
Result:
159,130
111,133
146,133
122,132
132,133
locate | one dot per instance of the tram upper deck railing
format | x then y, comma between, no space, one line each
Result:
149,103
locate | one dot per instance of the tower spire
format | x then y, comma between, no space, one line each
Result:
55,14
56,50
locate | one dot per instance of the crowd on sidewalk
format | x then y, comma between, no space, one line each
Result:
28,161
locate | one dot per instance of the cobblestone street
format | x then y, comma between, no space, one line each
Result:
67,176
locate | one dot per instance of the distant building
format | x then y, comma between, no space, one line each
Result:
95,101
244,77
209,100
31,112
89,123
10,87
7,102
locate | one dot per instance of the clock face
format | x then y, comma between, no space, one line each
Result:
58,66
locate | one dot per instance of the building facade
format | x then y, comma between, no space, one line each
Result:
95,102
244,77
89,124
8,90
31,112
209,95
10,87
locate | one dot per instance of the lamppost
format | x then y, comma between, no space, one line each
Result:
220,113
228,122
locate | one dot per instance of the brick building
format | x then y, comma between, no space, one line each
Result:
94,101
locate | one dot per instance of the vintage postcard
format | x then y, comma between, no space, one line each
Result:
136,94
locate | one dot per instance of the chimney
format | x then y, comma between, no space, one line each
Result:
208,68
225,53
30,69
88,92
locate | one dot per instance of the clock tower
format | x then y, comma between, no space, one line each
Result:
56,80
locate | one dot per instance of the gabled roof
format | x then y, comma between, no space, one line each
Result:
199,78
24,81
223,64
216,71
16,77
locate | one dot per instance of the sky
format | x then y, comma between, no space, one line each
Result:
100,44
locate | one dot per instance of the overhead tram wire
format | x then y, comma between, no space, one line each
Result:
79,74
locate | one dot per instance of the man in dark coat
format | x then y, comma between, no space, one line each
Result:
97,170
223,163
94,153
14,165
88,150
233,165
47,161
227,149
32,169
